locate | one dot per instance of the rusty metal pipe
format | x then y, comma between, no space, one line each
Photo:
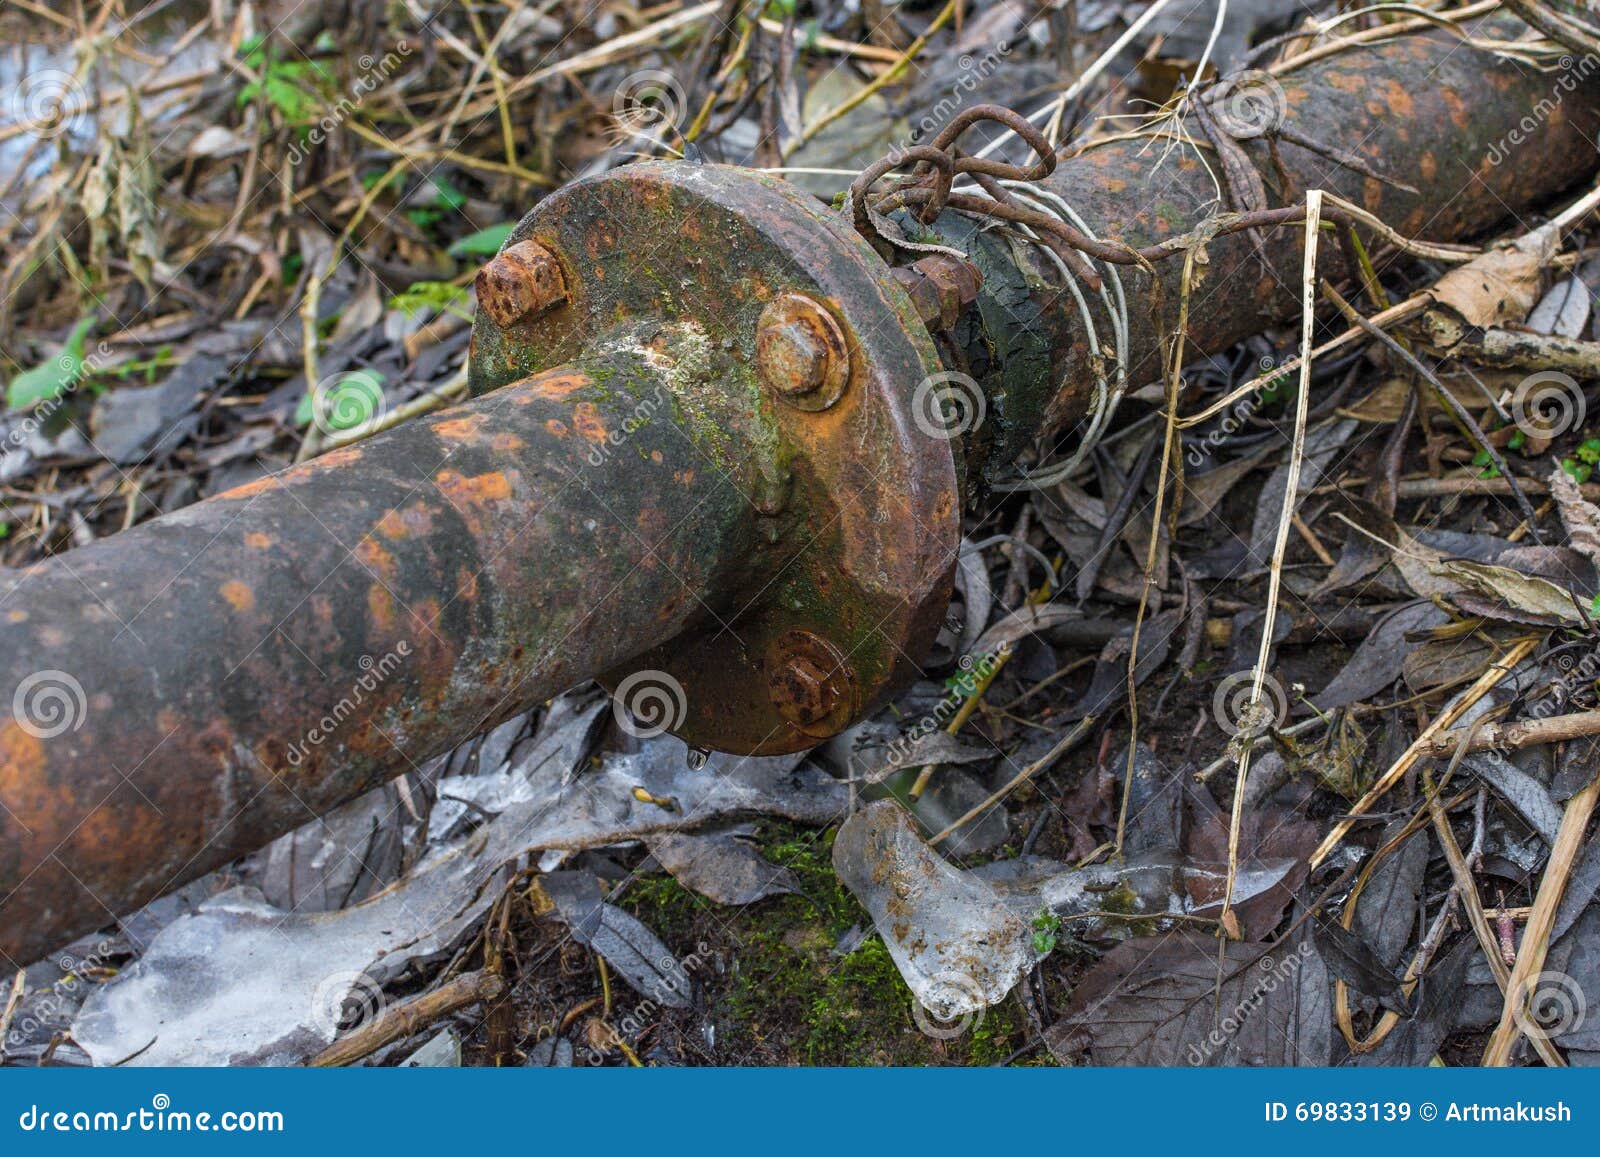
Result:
1422,110
192,688
697,453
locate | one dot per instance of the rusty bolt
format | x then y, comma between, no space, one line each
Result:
801,352
941,287
522,282
810,683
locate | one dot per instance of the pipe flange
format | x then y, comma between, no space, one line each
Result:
856,503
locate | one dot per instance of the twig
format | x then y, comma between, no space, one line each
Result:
1523,733
412,1016
1536,938
1420,747
1291,494
1467,889
867,90
13,1001
1022,777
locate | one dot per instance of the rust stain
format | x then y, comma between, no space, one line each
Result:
460,429
251,489
472,490
375,558
239,595
1399,99
380,607
255,540
555,386
557,427
587,419
1429,166
506,443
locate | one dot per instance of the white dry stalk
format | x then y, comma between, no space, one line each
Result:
1056,107
1297,451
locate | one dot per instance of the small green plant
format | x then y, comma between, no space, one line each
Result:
296,88
1487,468
483,243
439,296
1581,463
1046,924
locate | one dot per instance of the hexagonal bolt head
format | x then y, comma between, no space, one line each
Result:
941,287
809,682
520,283
802,353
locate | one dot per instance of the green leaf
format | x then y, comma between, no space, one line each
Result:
440,296
483,243
55,377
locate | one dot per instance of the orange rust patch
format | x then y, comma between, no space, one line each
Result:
26,791
401,524
336,459
380,607
587,419
240,597
459,428
1372,194
657,457
506,443
251,489
1429,166
1399,99
556,386
1458,108
478,488
467,585
683,477
376,559
557,427
255,540
16,616
1344,82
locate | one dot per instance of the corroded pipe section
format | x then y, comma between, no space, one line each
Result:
1423,111
193,688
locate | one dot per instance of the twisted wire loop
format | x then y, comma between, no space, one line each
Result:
1004,194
